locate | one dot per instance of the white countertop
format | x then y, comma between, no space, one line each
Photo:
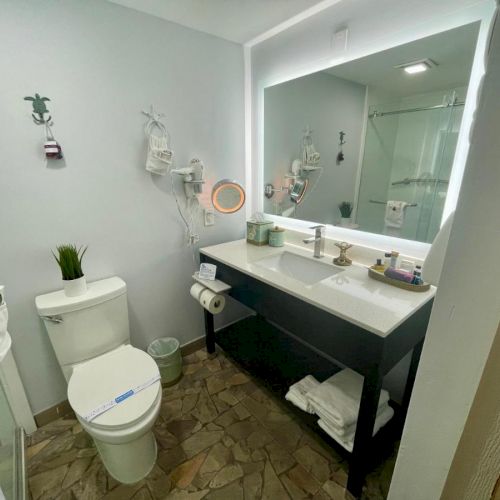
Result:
350,295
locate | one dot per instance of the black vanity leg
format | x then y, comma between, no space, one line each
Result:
412,372
209,331
364,430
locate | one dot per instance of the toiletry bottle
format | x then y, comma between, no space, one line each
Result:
387,259
394,259
417,275
378,266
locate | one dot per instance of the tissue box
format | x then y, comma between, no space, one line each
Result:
258,232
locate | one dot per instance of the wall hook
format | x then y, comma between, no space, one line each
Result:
51,147
153,115
342,134
340,155
39,108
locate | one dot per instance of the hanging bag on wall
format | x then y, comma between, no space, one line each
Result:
159,156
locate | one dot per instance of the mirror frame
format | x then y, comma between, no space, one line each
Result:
254,105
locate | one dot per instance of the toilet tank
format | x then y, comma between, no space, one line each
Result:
81,328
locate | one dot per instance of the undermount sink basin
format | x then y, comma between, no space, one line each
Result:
304,269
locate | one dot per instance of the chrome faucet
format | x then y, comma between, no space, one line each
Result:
318,239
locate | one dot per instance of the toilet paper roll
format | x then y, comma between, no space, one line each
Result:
212,302
196,290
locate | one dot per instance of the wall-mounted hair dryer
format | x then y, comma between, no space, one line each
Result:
192,176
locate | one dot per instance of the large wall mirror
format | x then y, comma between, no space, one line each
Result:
370,144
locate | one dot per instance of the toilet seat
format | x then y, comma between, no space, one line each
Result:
108,376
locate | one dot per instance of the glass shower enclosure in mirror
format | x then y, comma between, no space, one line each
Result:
370,144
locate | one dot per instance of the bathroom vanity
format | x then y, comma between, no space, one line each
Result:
335,314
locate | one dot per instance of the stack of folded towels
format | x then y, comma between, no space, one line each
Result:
336,403
297,393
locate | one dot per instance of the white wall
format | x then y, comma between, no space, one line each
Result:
101,64
307,47
465,315
327,104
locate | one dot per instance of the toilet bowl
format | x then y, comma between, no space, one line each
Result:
91,339
123,434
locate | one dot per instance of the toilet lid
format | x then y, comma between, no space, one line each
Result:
106,377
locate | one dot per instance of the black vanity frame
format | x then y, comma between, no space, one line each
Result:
337,340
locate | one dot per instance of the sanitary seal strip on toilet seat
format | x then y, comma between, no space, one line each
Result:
119,399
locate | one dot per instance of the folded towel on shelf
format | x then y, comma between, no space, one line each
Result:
297,393
347,441
299,402
342,430
395,213
339,397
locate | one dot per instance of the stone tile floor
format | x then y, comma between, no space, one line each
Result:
220,435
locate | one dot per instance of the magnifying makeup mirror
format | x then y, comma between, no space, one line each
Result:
228,196
298,190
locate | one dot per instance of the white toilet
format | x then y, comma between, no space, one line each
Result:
90,335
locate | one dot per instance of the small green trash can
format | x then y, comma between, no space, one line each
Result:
166,351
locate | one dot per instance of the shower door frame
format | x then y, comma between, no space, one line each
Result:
18,458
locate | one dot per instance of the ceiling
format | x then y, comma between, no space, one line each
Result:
235,20
452,50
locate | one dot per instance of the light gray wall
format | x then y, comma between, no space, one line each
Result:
100,64
327,104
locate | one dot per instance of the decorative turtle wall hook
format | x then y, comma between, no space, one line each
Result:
39,108
52,149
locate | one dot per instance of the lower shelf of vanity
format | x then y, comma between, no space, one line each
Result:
277,359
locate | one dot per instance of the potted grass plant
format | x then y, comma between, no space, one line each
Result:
69,259
345,213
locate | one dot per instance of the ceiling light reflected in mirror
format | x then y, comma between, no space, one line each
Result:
417,66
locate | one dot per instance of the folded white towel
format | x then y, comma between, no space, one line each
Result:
339,397
297,393
395,213
347,441
340,430
298,402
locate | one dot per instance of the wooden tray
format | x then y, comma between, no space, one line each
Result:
376,275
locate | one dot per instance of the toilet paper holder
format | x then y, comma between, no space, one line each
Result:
216,286
213,302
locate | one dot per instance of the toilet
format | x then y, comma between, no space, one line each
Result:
91,338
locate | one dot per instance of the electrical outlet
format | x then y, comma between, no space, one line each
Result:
209,216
